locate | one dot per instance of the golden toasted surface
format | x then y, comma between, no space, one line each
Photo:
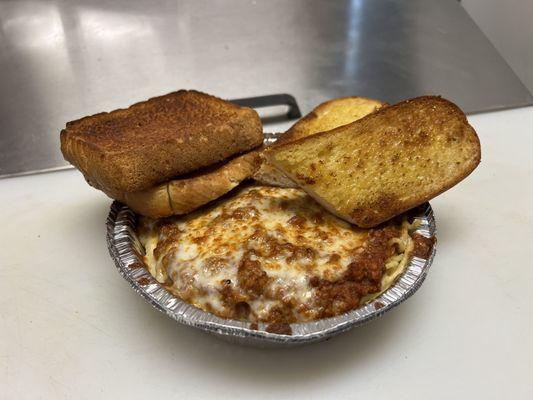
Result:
385,163
267,174
180,196
152,141
324,117
273,255
329,115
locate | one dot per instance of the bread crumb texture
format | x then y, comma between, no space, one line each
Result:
385,163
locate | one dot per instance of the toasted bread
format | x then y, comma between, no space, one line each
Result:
269,175
330,115
385,163
181,196
133,149
324,117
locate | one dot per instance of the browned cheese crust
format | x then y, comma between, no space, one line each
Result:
333,297
273,255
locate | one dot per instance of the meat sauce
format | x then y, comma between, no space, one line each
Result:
274,256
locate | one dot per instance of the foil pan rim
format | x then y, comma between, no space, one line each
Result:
125,250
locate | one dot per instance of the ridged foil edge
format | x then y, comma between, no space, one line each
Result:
126,250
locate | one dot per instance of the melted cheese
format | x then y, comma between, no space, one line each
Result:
290,237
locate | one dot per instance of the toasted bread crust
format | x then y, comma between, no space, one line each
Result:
181,196
326,116
132,149
269,175
330,115
385,163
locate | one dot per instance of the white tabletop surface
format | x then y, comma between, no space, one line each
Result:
71,327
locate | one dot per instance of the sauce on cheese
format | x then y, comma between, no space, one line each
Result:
272,255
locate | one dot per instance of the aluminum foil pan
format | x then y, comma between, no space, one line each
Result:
126,250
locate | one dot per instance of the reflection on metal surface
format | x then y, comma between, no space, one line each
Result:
63,59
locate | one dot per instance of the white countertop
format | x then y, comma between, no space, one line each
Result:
71,327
